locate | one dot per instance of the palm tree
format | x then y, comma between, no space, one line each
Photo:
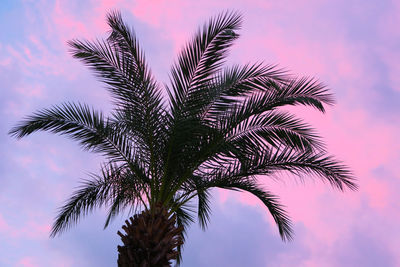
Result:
218,128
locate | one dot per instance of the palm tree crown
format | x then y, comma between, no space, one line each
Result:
218,128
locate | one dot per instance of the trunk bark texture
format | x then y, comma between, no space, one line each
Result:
151,239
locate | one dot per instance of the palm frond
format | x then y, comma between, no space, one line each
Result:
277,211
247,184
276,94
273,128
129,190
184,218
124,41
83,124
299,163
199,60
117,72
145,88
203,207
94,193
302,91
304,163
228,87
120,63
202,58
267,95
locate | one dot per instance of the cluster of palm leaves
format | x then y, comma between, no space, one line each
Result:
212,127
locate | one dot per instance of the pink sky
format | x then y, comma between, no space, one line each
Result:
352,46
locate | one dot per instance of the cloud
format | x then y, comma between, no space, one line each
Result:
27,262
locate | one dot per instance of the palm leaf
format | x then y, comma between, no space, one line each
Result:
202,58
304,163
94,193
240,183
300,163
302,91
183,218
228,87
81,123
277,211
273,128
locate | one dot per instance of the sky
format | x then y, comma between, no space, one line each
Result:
350,45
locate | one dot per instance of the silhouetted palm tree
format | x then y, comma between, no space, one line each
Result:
219,128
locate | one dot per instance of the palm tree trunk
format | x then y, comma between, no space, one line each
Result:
150,239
